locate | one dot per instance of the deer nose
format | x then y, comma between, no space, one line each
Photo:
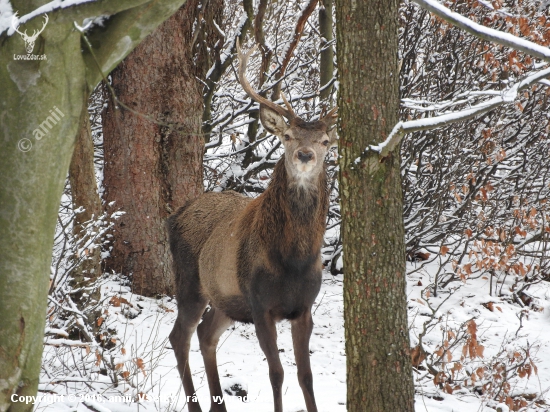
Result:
304,156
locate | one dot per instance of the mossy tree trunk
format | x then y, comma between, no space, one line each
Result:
379,373
34,160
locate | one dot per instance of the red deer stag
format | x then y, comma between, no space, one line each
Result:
255,260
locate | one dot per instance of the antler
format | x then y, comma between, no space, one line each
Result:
330,118
13,20
36,33
243,61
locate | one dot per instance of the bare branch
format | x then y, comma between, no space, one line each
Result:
402,128
306,12
486,33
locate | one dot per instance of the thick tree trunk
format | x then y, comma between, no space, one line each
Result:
34,160
33,167
151,170
379,374
88,203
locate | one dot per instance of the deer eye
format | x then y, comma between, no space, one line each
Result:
326,142
287,137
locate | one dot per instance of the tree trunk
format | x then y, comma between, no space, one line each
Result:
88,203
34,160
379,373
152,169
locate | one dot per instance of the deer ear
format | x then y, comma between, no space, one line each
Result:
272,121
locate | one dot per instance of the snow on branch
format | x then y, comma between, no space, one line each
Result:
88,8
507,96
486,33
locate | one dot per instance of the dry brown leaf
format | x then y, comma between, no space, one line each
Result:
165,308
480,372
472,328
417,356
115,301
479,350
122,300
139,363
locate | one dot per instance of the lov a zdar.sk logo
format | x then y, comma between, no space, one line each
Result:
29,40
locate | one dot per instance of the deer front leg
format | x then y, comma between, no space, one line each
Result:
267,335
301,332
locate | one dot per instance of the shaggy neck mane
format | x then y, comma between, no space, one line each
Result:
293,215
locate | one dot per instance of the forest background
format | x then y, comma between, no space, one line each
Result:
474,185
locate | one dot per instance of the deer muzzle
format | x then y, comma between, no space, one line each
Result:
304,159
305,156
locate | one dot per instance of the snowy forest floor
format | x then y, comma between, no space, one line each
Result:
143,362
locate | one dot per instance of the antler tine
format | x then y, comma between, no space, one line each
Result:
288,106
13,19
35,33
243,61
46,19
331,116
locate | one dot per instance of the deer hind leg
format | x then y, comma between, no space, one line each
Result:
213,325
267,336
189,315
301,332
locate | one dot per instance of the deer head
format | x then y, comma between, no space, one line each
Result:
305,143
29,40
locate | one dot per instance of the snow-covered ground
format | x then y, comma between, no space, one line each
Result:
144,362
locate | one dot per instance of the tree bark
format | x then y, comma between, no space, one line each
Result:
34,166
88,203
379,373
151,169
